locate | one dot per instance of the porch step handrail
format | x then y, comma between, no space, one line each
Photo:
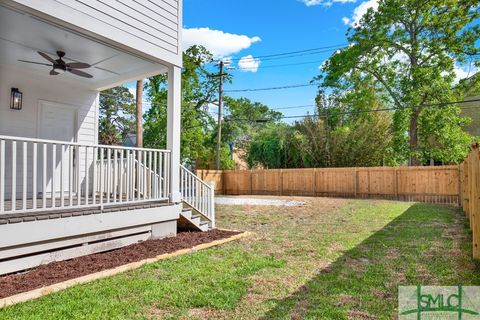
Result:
197,194
48,175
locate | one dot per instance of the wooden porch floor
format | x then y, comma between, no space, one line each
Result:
55,213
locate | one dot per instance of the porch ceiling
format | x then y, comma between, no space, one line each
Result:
22,35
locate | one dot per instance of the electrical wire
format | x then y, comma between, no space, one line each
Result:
273,88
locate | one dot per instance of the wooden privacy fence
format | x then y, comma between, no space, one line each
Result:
470,183
426,184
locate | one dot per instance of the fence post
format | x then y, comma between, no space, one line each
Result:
280,179
355,178
395,174
475,214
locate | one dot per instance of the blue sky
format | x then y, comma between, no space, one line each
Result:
272,27
255,28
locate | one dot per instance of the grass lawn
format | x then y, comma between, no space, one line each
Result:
331,259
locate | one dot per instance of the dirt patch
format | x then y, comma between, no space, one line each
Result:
345,299
360,315
64,270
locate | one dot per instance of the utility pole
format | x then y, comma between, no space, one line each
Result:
220,94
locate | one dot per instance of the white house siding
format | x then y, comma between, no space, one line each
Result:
151,27
24,123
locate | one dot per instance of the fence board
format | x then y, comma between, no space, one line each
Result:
426,184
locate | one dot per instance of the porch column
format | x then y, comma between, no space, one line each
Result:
173,130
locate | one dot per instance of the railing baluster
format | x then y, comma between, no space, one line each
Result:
79,180
127,178
145,195
14,175
109,173
155,180
120,192
24,176
102,178
150,174
87,174
140,175
70,175
54,173
161,177
44,176
94,175
2,176
34,176
115,176
62,173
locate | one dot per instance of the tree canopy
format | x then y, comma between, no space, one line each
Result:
410,49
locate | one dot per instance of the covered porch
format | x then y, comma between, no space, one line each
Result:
62,194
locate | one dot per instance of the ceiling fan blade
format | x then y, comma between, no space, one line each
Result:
80,73
41,63
53,72
46,56
78,65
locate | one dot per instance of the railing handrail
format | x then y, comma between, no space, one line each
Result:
25,139
196,177
197,194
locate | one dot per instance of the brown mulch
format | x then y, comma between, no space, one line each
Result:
55,272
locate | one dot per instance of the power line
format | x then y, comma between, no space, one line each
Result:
276,65
441,104
273,88
330,47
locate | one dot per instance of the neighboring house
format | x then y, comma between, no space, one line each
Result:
472,111
61,194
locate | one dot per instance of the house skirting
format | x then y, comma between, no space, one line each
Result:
26,245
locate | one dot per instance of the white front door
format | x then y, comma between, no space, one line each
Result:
57,122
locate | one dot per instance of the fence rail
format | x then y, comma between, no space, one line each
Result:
45,175
426,184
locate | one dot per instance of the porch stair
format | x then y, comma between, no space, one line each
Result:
191,220
198,211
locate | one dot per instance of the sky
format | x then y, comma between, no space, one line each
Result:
242,29
247,29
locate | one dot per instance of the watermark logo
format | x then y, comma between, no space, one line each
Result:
436,302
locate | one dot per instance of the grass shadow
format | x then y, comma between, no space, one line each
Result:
427,245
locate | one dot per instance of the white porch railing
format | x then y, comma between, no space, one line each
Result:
45,175
197,194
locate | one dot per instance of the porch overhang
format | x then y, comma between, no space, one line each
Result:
23,34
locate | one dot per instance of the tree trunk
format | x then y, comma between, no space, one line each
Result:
413,135
139,115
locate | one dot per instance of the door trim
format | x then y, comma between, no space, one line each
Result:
40,107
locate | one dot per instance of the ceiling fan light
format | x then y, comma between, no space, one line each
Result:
59,69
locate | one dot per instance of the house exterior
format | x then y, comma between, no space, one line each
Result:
61,193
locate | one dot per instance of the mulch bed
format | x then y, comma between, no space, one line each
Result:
56,272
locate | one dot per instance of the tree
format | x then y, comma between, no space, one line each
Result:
139,113
244,118
199,90
117,109
411,48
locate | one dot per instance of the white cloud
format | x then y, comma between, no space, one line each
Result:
326,3
359,11
219,43
463,72
249,64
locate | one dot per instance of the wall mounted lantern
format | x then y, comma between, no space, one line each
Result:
16,98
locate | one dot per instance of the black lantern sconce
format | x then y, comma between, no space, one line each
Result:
16,99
